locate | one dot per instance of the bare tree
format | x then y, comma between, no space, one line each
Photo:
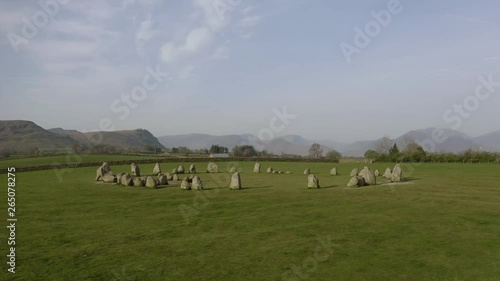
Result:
316,151
384,144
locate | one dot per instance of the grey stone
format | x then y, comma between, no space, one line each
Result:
235,181
157,169
196,183
151,183
256,168
312,181
354,172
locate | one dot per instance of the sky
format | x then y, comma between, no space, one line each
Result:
341,70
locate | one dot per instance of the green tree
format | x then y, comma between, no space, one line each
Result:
334,155
315,151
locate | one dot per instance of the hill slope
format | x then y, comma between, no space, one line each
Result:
137,139
23,135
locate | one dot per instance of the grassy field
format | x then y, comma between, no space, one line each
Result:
442,224
67,159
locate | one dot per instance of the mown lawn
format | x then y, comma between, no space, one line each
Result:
443,224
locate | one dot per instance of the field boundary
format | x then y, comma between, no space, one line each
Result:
161,160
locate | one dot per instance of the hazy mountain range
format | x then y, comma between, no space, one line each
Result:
24,135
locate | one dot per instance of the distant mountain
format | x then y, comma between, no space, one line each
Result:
455,141
489,141
23,135
137,139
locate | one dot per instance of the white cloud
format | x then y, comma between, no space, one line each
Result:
196,40
222,52
250,21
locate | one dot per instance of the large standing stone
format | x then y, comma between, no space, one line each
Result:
354,172
196,183
151,183
270,170
180,170
157,169
169,176
256,168
162,180
369,176
233,170
99,174
105,167
135,170
334,172
175,177
388,173
185,184
212,168
377,173
397,173
138,182
235,181
192,169
126,180
312,181
356,182
307,171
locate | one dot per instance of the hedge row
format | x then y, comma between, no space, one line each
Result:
163,160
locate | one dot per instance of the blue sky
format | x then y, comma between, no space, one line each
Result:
230,63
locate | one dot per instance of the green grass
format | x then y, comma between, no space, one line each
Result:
443,225
68,159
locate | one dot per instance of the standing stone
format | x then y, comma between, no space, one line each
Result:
270,170
235,181
196,183
151,183
397,173
138,182
105,167
162,180
333,172
369,176
168,176
126,180
288,172
307,171
388,173
175,177
157,169
233,170
354,172
377,173
180,170
192,169
174,171
99,174
135,170
312,181
256,168
356,182
212,168
119,177
185,184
